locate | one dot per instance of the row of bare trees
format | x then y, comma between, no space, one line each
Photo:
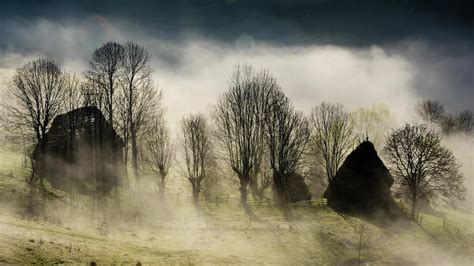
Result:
119,83
433,113
255,120
255,128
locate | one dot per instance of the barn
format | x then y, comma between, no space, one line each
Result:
82,153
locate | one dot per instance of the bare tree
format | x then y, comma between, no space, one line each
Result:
103,73
160,151
332,136
137,98
196,146
431,111
92,94
73,99
239,119
422,165
287,133
465,121
35,97
434,114
73,93
448,124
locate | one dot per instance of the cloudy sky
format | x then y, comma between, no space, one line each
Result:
354,52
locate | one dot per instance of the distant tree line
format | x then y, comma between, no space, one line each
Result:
433,113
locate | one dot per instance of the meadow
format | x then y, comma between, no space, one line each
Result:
76,230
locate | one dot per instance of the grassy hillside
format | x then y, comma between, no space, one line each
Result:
137,227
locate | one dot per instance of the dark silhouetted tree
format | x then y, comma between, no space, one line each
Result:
286,133
160,151
332,136
137,99
431,111
239,119
104,75
465,121
35,97
434,114
197,151
422,165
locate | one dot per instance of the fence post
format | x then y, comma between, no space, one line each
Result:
216,201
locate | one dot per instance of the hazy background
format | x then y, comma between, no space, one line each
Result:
357,53
354,52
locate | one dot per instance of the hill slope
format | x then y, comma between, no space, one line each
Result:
67,231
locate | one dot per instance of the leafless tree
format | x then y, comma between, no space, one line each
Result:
73,93
448,124
137,98
422,165
239,119
73,99
434,114
431,111
104,73
287,133
196,147
92,94
35,97
332,135
160,151
465,121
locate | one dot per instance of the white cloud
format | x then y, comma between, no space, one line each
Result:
309,75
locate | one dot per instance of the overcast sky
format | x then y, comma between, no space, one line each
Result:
358,53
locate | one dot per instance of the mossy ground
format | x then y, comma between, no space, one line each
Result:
175,231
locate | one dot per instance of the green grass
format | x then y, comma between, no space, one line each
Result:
175,232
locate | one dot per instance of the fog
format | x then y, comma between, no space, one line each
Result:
194,70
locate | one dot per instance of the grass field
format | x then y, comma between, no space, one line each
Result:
72,230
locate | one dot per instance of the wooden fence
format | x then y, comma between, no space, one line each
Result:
232,199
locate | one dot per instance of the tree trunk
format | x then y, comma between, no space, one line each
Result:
280,199
196,191
161,188
42,162
243,191
134,154
413,205
125,152
254,186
